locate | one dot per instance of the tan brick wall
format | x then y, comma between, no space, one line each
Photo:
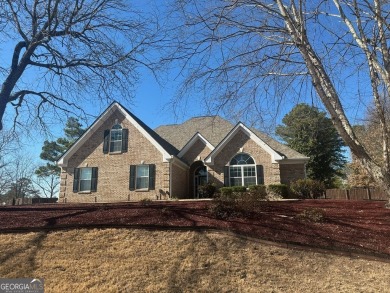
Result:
292,172
179,182
113,169
242,143
199,151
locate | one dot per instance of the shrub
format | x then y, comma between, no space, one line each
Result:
280,190
308,188
226,192
222,208
311,215
207,190
238,188
258,191
232,191
249,202
145,201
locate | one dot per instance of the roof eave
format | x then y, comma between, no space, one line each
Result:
192,141
240,126
290,161
63,160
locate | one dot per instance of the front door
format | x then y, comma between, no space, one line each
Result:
200,178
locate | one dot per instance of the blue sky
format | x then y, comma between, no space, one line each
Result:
151,103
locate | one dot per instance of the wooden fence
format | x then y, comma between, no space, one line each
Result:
28,201
356,194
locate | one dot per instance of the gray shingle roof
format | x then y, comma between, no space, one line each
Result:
214,129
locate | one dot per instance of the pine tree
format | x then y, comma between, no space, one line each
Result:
51,152
309,131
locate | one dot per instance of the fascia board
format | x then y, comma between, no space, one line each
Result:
179,163
284,161
192,141
63,161
240,126
165,154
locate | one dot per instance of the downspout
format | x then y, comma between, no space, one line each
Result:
170,176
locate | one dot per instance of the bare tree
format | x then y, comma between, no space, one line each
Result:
65,51
48,184
8,147
249,54
19,177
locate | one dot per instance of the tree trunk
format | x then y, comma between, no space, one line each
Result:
3,105
378,174
330,98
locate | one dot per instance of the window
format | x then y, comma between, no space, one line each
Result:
85,179
242,171
115,139
142,177
142,181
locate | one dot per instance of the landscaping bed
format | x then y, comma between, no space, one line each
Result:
352,226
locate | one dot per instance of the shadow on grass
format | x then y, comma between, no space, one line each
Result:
275,221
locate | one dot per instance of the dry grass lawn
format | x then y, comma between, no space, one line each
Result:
125,260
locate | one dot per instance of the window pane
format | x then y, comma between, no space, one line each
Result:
235,171
85,185
117,126
242,159
142,182
116,134
85,173
249,181
235,181
115,146
201,171
142,171
249,171
116,138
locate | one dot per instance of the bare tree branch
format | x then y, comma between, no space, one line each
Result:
72,48
251,56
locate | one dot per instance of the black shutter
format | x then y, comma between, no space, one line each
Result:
132,177
106,142
94,179
152,176
226,176
76,179
260,174
125,135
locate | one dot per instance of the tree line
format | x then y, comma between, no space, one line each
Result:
247,58
19,178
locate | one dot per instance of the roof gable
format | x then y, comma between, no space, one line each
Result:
215,129
275,156
163,146
212,128
191,143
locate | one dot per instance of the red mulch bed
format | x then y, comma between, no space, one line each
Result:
352,226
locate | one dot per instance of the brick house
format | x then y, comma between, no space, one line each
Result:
119,158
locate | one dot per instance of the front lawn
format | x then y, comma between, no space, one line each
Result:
349,226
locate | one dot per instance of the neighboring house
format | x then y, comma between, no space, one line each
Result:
119,158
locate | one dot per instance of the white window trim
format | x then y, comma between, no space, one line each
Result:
110,141
242,174
242,170
136,177
90,180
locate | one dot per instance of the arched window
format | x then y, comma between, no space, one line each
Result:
116,139
242,171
